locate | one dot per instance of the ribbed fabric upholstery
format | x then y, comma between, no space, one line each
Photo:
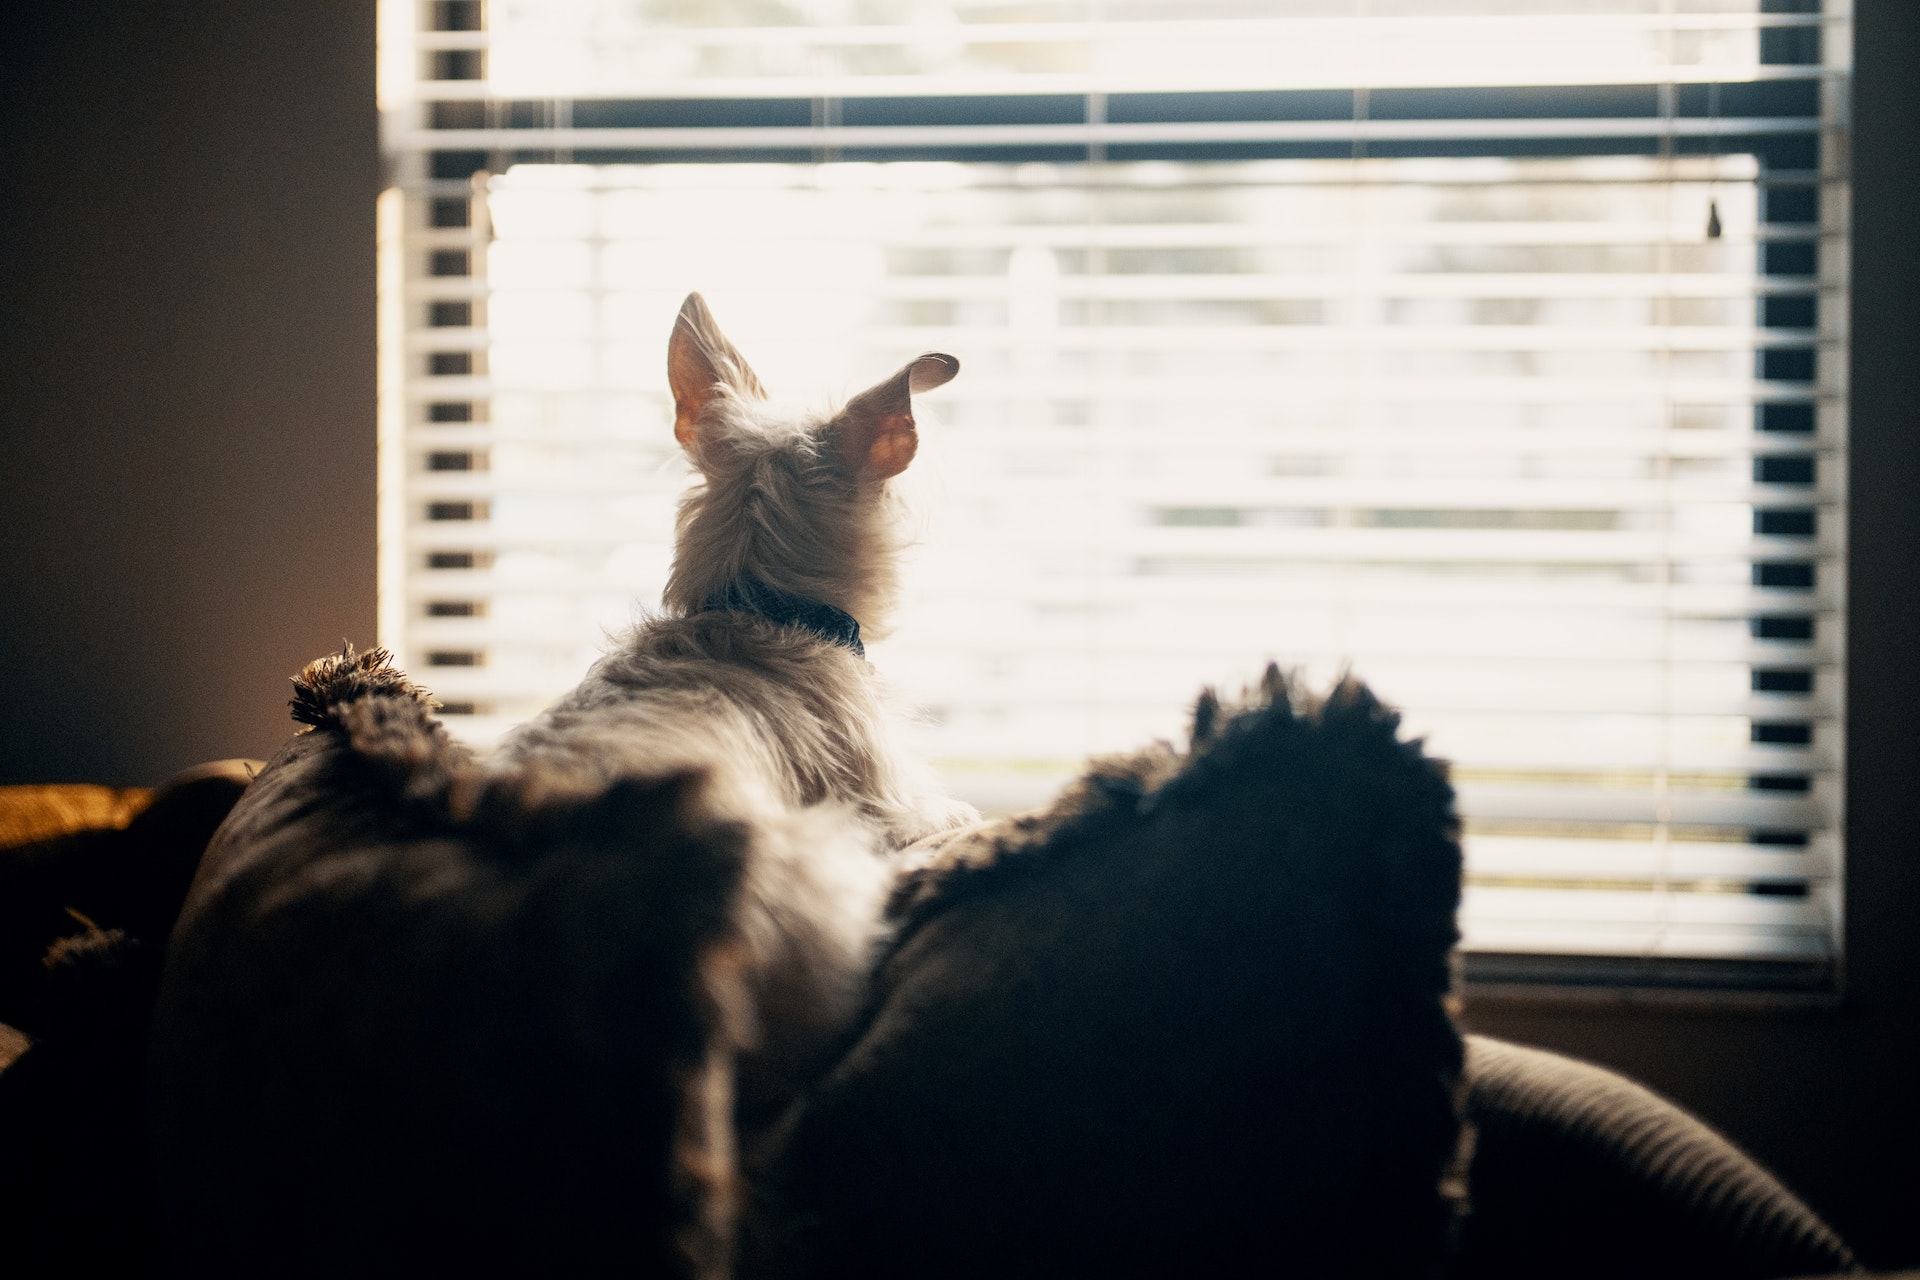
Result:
1187,1021
1580,1172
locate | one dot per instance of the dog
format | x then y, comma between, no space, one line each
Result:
531,1012
786,556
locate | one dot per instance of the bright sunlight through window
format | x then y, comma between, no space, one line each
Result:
1488,350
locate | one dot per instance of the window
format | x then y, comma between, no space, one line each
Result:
1488,349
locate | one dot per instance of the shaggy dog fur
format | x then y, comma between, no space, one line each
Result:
1190,1020
783,717
792,729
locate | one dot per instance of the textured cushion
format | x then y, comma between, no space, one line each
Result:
1579,1172
1188,1021
422,1020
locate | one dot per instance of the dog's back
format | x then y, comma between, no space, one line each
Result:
780,717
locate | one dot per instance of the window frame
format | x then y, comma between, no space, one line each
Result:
1690,118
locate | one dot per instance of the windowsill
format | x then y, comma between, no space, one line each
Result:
1625,981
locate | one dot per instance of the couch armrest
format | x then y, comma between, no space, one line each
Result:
1580,1172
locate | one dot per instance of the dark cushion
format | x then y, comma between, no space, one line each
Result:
1187,1021
1579,1172
419,1019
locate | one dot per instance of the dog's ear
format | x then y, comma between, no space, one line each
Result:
877,436
699,361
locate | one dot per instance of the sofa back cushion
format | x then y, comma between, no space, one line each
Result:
1189,1021
418,1019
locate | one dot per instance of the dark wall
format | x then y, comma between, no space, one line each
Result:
187,475
186,374
1831,1100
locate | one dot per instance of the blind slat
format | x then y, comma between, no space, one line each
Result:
911,138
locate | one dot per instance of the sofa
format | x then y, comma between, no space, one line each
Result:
929,1148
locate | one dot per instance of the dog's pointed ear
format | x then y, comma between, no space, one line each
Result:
699,361
878,437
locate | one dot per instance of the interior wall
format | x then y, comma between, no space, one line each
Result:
187,496
186,377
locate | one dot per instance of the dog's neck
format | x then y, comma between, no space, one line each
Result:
771,505
751,595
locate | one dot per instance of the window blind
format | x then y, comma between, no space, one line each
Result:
1491,356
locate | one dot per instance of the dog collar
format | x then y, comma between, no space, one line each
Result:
784,608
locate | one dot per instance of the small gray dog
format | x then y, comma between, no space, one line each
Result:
787,549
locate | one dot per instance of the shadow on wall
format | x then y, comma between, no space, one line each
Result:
186,460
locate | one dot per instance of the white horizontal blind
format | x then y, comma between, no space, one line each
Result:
1543,443
821,49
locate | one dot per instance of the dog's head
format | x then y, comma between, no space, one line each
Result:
799,501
